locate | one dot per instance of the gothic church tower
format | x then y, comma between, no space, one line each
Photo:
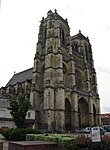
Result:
64,86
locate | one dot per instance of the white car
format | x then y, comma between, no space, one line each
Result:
87,129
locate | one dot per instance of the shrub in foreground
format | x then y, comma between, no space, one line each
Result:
6,133
106,142
18,134
83,142
69,143
64,142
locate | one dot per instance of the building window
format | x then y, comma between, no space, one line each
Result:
2,113
29,114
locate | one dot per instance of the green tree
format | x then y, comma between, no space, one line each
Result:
18,109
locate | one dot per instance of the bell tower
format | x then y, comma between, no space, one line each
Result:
48,79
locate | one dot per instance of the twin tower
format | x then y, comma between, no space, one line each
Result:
64,85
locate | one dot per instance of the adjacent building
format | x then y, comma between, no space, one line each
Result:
5,117
105,119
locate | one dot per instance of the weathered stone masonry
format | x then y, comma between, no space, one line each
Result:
64,79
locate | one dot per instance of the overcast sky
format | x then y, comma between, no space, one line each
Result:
19,25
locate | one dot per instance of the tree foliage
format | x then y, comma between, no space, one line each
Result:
18,109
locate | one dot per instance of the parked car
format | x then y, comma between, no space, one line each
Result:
81,130
102,130
106,127
87,129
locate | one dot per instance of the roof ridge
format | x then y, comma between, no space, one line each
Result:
23,71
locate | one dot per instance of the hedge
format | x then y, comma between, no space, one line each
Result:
64,142
71,143
18,134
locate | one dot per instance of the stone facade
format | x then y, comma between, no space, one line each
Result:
64,80
63,86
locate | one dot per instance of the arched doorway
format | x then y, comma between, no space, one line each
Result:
94,115
67,115
83,113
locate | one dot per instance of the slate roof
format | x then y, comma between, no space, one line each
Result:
20,77
79,35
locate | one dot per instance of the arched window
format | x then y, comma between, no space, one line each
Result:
93,79
65,75
67,114
42,76
45,35
74,47
64,68
78,80
94,115
62,36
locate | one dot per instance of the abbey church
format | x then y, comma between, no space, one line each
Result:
62,84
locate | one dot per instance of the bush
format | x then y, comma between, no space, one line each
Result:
18,134
63,141
67,143
41,137
34,137
106,142
6,133
82,142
